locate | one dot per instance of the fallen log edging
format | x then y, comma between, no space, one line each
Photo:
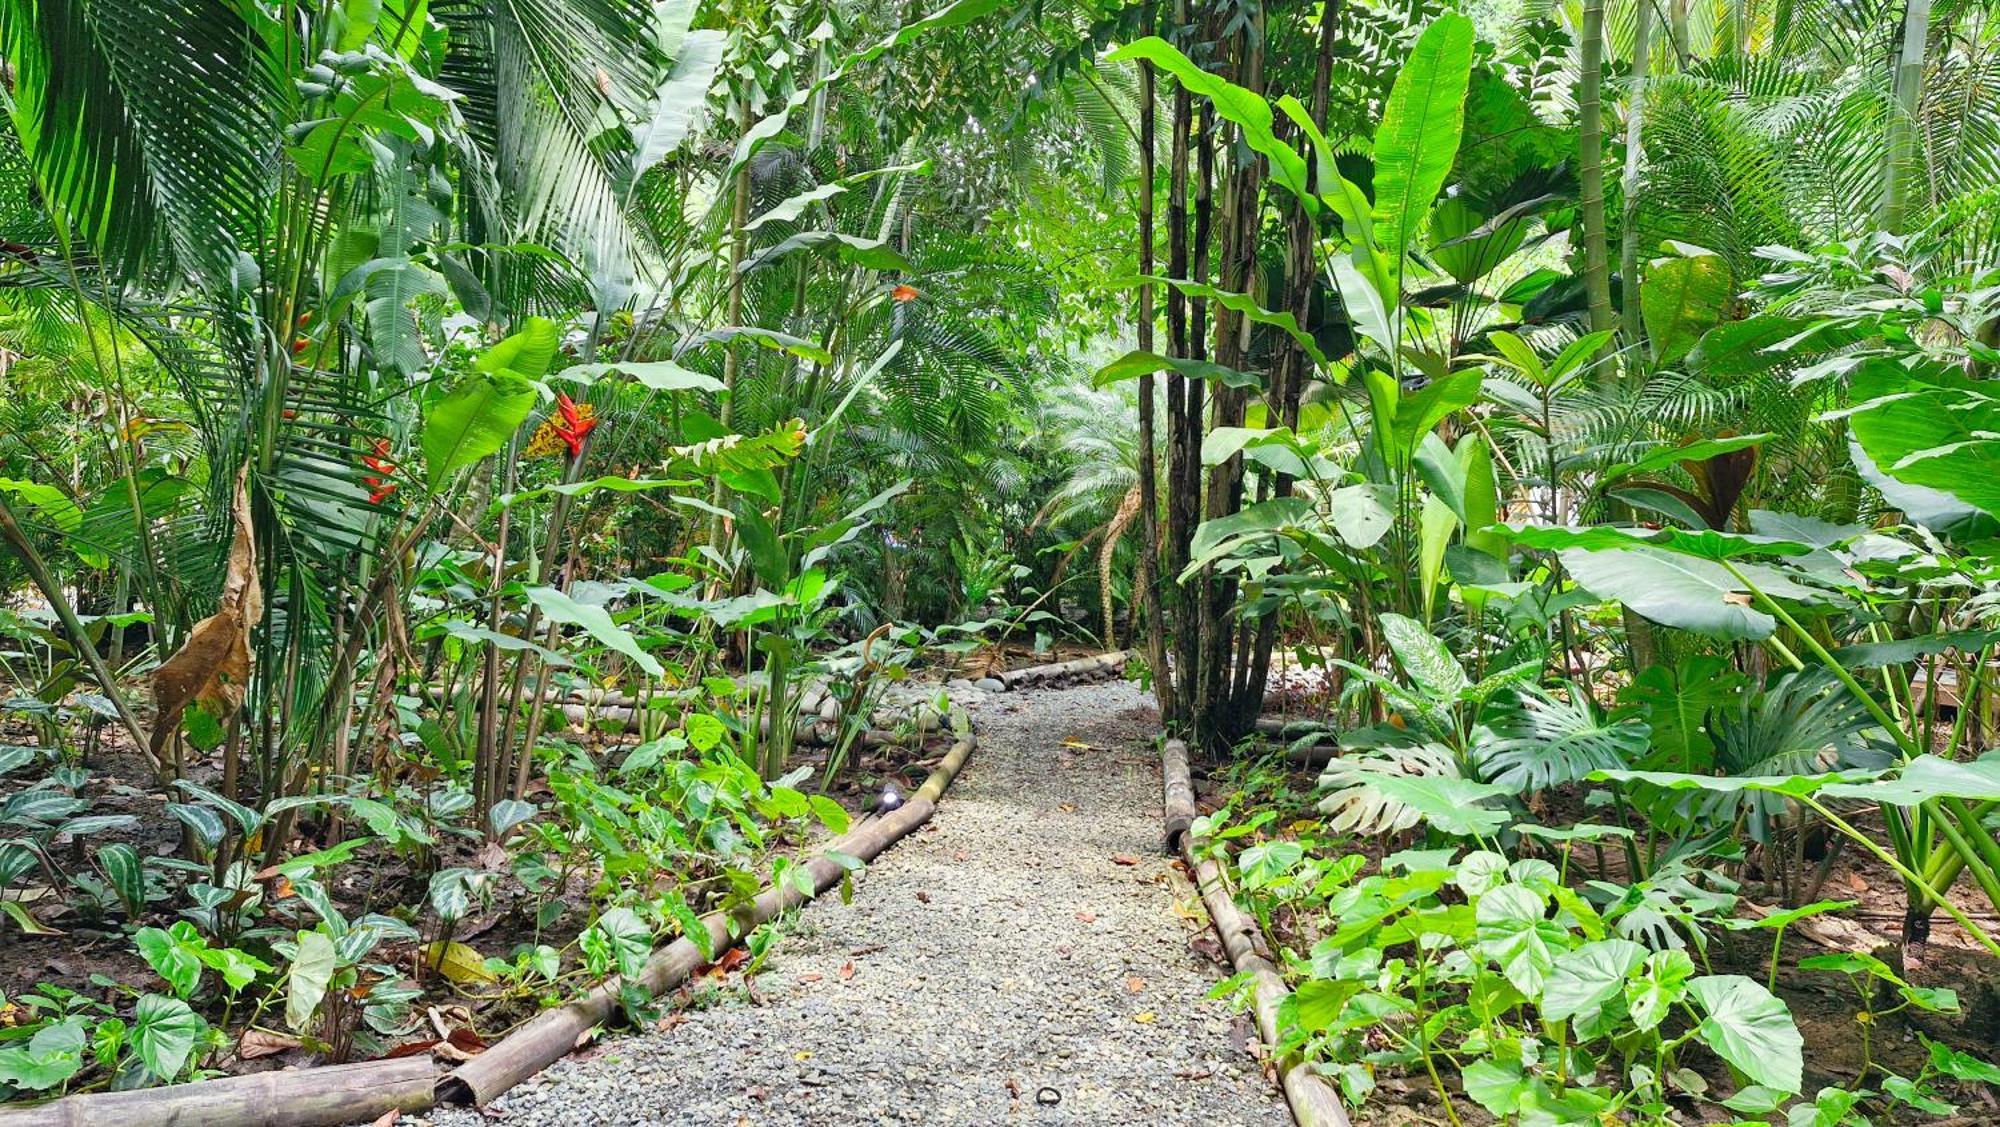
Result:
1177,793
350,1093
301,1097
1083,666
552,1034
1313,1101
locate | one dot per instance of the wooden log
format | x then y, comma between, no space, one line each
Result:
1313,1101
299,1097
552,1034
1176,792
1039,674
1832,932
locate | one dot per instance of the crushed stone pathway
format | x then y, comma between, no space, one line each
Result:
1006,948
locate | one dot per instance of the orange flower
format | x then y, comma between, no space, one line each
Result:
904,293
567,428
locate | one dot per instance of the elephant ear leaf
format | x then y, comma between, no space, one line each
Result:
1417,142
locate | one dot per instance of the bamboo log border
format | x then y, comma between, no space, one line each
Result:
1013,679
552,1034
350,1093
1312,755
1313,1101
302,1097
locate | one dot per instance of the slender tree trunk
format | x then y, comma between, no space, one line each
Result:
732,360
1181,340
1628,222
1896,171
1590,169
1217,719
1290,374
1147,578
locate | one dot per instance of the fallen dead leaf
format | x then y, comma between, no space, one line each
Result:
257,1043
1067,807
1146,1017
803,1054
923,897
958,856
846,971
389,1117
1124,859
1087,917
1135,984
810,977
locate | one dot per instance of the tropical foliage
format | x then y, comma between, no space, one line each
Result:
457,443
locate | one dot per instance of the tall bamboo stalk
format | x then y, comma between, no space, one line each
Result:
1635,159
1590,169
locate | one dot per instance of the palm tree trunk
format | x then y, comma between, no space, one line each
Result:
1896,178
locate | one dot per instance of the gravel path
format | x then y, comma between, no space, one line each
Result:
997,952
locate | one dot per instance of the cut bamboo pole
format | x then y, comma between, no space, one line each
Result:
303,1097
1313,1101
552,1034
1039,674
1177,793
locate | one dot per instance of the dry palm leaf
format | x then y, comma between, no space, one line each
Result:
213,668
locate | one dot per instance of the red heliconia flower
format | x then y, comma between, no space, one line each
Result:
904,293
380,486
573,423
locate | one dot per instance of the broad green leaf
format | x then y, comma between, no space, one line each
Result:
1791,786
596,621
1514,932
1417,141
1138,363
1683,298
164,1031
525,354
1750,1029
1927,777
1874,655
1682,591
854,250
310,974
1249,111
1424,658
173,955
623,938
1497,1087
1584,979
1664,457
1361,514
1936,429
660,375
1241,304
51,1057
1652,995
1216,538
1700,543
680,102
52,503
473,421
1450,805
